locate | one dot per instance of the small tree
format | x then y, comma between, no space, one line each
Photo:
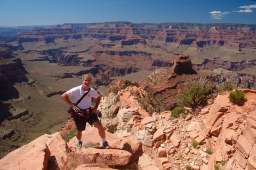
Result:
177,111
196,94
237,97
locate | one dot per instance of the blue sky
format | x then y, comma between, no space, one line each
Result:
50,12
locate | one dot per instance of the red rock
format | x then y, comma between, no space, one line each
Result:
236,166
111,157
161,152
175,139
252,158
57,147
250,134
163,163
167,166
90,136
215,130
201,137
240,159
230,120
87,167
159,137
250,130
132,145
166,115
204,111
251,122
147,163
252,115
123,150
168,131
147,120
229,164
216,111
30,156
219,157
223,109
244,146
230,136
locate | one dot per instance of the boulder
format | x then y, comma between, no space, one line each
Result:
244,146
124,116
252,158
58,150
147,163
183,65
122,150
161,152
86,167
30,156
159,137
110,157
175,139
109,106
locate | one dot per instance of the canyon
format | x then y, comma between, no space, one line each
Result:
156,61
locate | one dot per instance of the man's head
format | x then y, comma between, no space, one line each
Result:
87,78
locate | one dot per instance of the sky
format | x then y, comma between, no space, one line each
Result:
52,12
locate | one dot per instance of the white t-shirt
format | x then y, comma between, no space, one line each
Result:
76,93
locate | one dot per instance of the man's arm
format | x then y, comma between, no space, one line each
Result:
68,101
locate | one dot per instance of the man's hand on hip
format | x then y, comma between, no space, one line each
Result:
75,108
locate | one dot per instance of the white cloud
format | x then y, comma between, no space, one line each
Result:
246,8
218,14
245,11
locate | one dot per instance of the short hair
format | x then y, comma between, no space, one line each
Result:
87,77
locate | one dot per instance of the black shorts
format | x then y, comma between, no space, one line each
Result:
81,121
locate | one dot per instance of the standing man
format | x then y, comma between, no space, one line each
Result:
83,111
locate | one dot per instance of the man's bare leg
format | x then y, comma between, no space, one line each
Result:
79,135
101,130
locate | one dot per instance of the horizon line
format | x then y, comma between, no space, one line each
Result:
130,22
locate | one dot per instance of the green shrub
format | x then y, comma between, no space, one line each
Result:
209,151
70,135
196,94
216,167
195,144
177,111
237,97
147,101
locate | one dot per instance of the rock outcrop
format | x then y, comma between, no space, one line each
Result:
130,33
222,135
166,83
183,65
52,152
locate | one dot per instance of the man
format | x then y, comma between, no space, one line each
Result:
84,112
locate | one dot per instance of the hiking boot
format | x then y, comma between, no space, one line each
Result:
104,145
79,144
